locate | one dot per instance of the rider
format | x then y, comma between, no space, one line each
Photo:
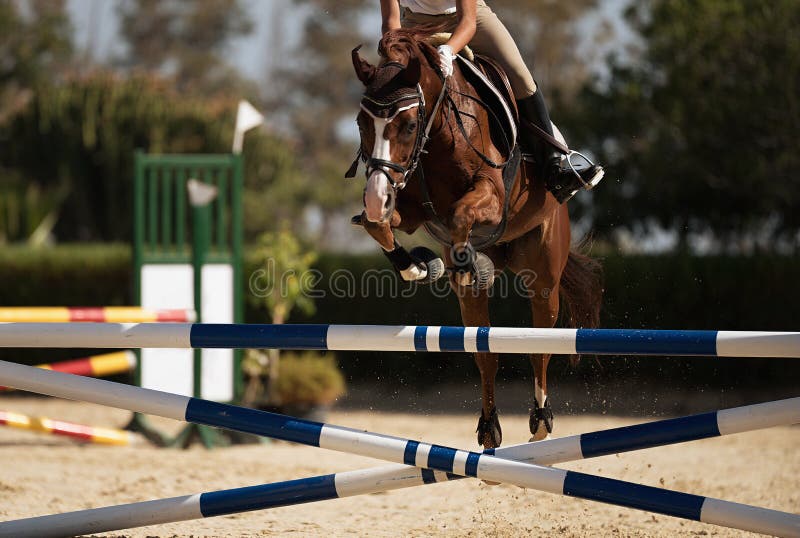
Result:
473,23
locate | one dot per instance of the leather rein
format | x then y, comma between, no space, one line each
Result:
423,135
371,106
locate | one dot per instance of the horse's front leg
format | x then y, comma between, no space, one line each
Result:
419,265
474,305
481,205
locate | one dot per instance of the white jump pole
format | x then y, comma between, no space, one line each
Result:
398,450
547,452
402,338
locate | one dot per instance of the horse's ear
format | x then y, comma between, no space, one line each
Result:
413,72
364,70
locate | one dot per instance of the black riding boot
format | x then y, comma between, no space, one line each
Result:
561,179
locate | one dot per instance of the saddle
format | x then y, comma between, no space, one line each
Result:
492,85
494,91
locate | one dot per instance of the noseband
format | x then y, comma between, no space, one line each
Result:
387,109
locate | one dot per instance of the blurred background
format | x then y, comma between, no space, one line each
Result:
692,106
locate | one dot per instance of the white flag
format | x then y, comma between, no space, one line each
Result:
247,117
200,194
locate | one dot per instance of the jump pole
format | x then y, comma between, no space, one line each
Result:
113,314
398,450
80,432
402,338
103,365
332,486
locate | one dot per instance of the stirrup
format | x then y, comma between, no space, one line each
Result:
574,172
587,172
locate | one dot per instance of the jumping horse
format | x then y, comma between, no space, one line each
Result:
437,156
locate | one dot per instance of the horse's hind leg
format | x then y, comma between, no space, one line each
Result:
539,259
474,305
541,419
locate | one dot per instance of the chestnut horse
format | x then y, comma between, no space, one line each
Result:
414,124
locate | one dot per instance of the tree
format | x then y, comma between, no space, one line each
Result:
549,38
34,44
319,93
186,40
700,131
79,137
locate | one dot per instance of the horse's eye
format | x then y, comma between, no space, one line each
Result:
411,127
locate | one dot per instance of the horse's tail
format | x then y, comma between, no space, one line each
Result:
581,291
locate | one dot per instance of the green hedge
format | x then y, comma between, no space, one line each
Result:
665,291
72,275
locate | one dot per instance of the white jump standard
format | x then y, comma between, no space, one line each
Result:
402,338
398,450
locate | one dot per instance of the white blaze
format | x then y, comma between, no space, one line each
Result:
377,184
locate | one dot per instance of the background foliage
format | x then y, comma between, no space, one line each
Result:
699,127
91,125
695,113
184,40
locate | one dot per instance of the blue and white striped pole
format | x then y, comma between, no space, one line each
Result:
210,504
403,338
434,457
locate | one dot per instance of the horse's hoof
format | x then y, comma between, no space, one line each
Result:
480,275
541,416
490,435
484,271
541,435
433,263
463,279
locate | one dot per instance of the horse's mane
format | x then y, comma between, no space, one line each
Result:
405,43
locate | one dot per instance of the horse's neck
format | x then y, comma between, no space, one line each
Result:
449,139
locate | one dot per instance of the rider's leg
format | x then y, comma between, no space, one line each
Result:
493,39
534,109
559,177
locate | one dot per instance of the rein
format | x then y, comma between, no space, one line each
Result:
494,118
427,203
423,136
385,111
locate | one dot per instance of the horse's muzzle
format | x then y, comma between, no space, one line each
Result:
379,198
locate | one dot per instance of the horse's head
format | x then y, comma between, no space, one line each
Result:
393,117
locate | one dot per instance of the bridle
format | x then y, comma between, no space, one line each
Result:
387,110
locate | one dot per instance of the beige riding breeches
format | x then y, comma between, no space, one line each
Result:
491,39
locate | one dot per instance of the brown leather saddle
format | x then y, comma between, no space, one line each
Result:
494,88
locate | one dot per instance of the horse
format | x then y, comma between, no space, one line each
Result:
415,124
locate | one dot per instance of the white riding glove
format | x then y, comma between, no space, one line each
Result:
446,58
